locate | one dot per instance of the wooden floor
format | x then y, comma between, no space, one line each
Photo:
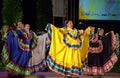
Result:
54,75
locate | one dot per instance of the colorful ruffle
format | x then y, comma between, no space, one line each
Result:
74,70
96,49
72,45
93,70
16,55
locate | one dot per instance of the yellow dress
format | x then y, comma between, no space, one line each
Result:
68,50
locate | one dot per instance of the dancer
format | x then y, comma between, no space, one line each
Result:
101,57
68,49
17,52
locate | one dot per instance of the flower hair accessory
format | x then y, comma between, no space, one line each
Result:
66,21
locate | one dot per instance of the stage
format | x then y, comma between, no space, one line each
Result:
4,74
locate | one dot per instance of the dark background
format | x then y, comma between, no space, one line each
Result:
29,12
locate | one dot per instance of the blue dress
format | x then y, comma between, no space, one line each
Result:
17,52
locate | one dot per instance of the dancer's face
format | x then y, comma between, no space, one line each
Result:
101,31
70,24
27,27
20,25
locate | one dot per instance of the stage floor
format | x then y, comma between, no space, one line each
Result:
4,74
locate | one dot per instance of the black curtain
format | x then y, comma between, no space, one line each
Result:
29,12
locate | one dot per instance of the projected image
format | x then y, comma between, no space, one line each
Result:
99,9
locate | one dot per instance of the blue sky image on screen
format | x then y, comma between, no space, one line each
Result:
99,9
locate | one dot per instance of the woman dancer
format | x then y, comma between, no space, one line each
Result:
101,57
68,49
17,52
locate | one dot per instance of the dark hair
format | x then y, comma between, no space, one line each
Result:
66,22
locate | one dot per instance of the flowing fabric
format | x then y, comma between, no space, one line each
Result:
101,58
17,53
68,50
38,60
